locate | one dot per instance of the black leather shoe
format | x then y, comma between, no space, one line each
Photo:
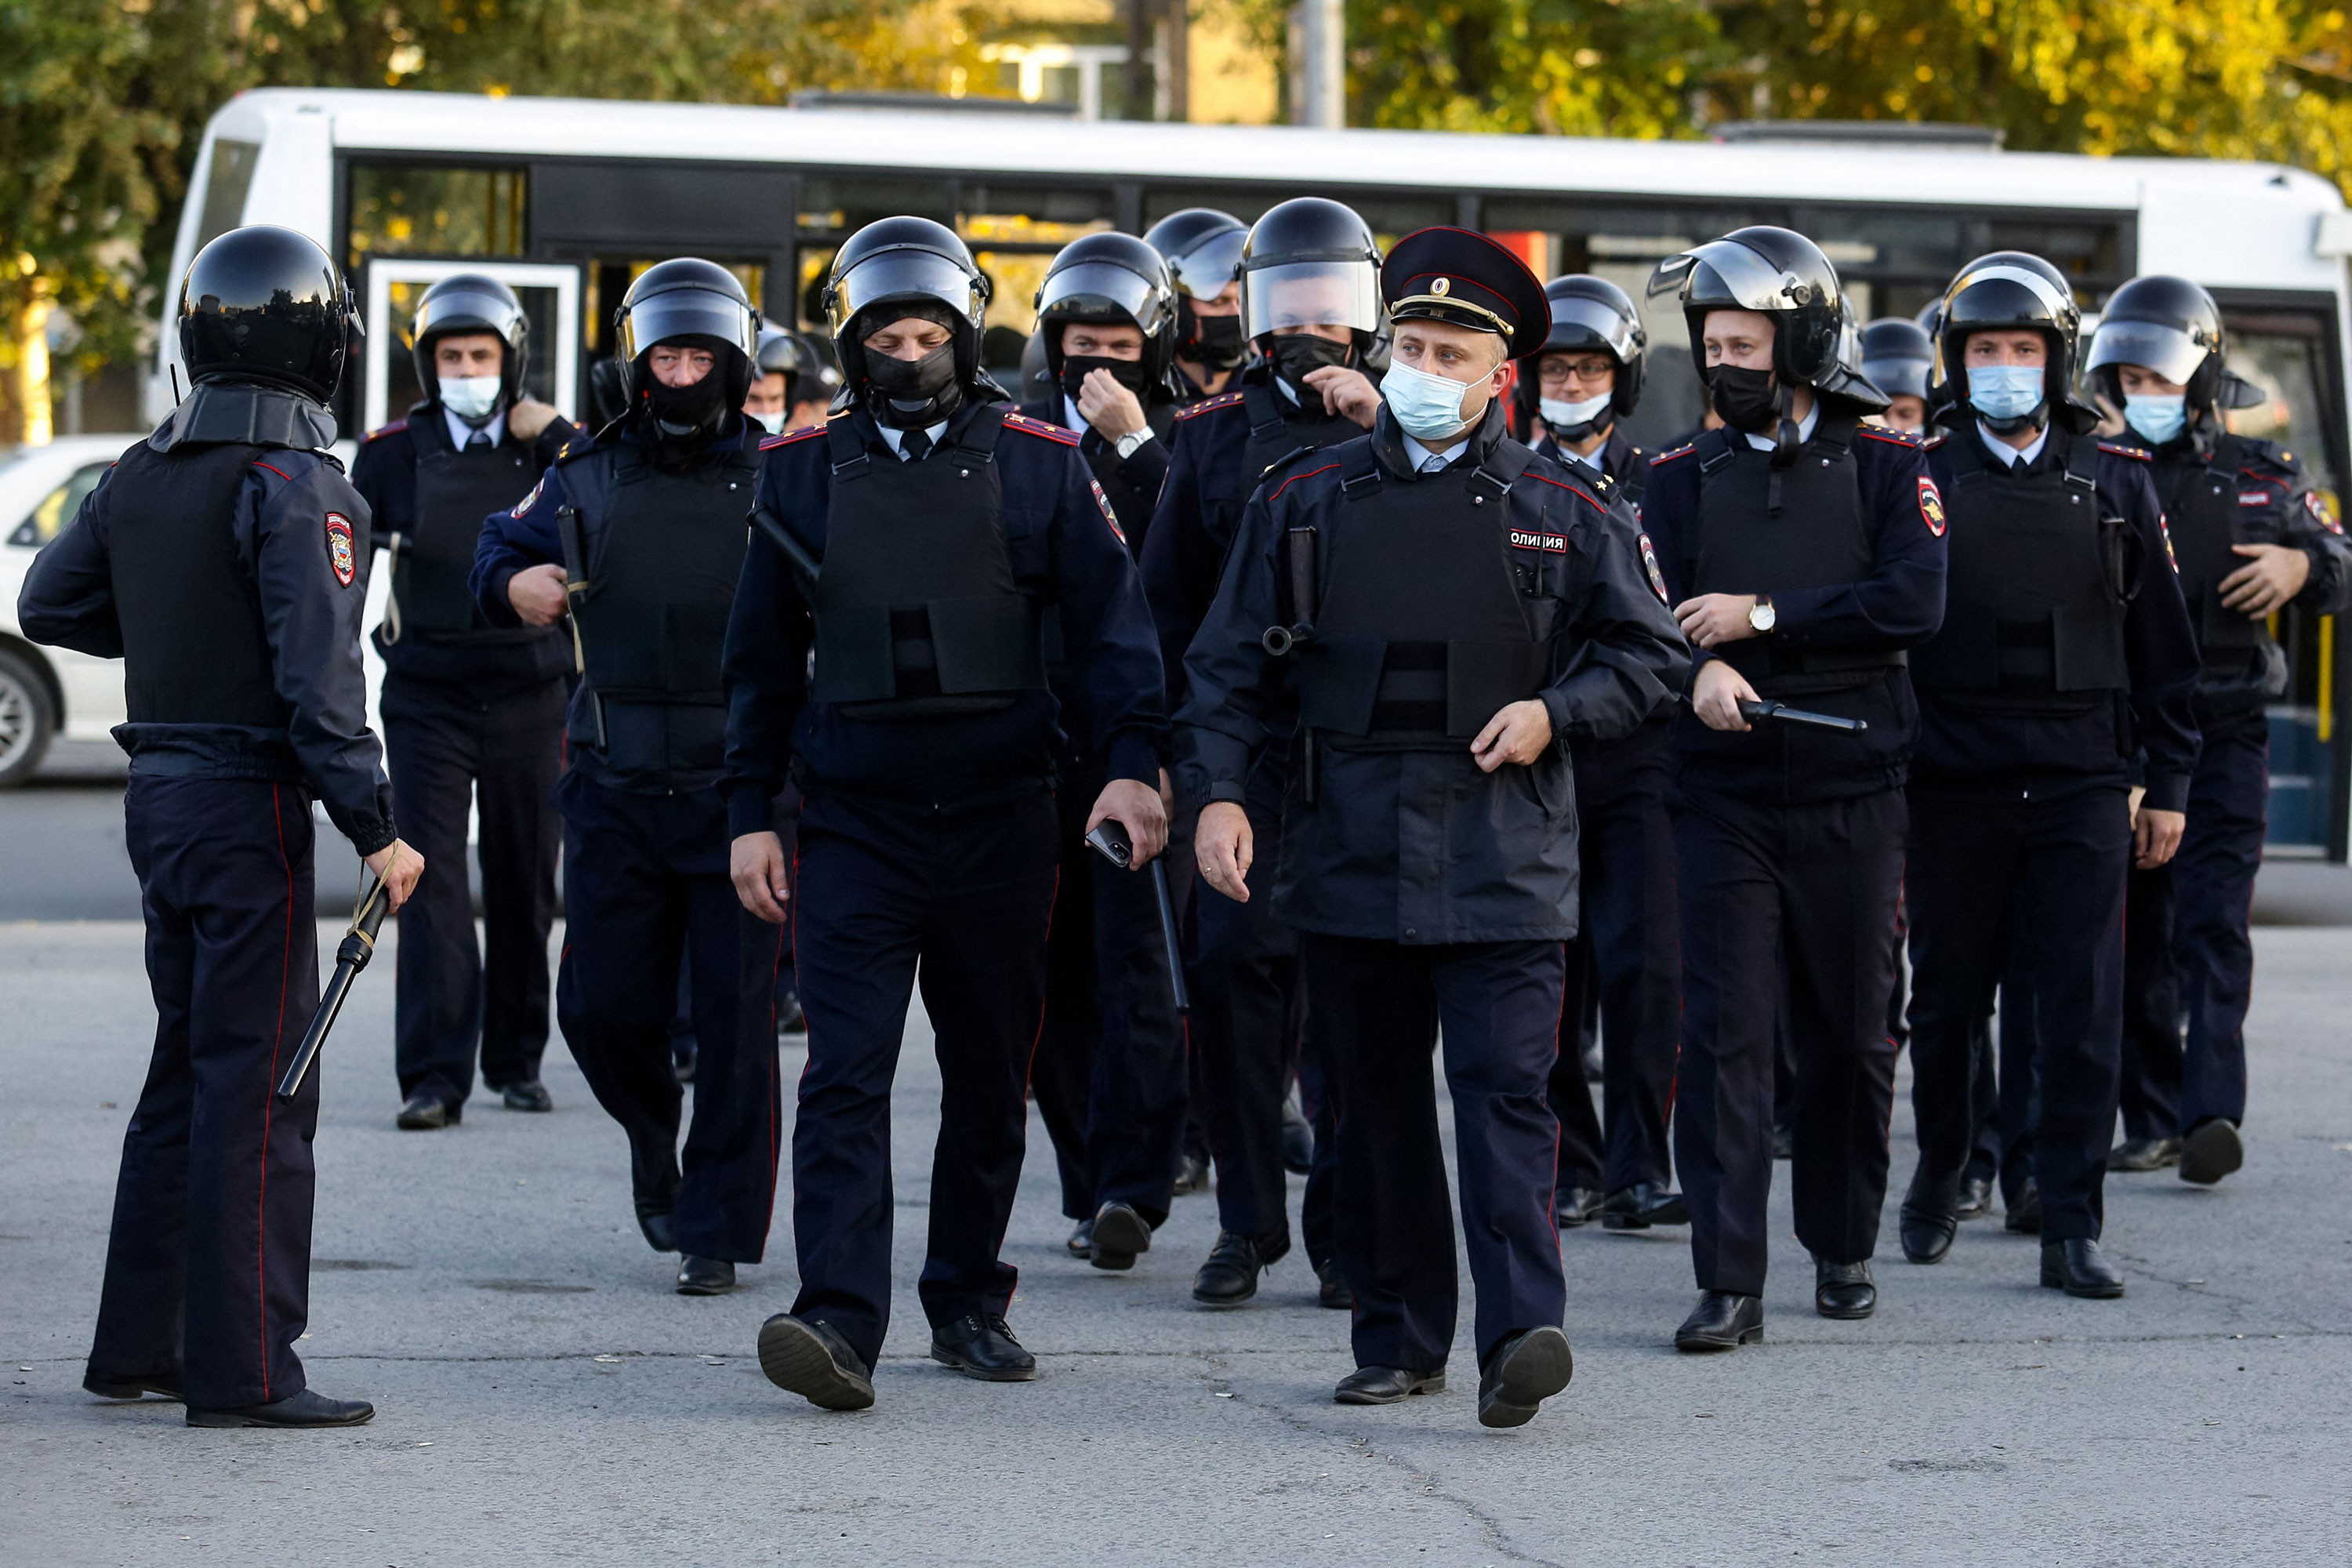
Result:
1525,1369
1230,1276
163,1385
1573,1207
425,1111
307,1408
1297,1140
1975,1198
1331,1287
1082,1240
1844,1290
1642,1205
983,1348
809,1358
2024,1216
2144,1154
1721,1322
1191,1176
529,1094
2076,1268
1927,1224
659,1225
1385,1386
1121,1235
704,1276
2211,1151
790,1019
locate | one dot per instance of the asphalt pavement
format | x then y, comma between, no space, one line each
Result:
545,1397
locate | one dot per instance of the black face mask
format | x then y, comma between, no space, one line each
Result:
1127,373
1748,399
1298,354
688,410
1215,342
909,394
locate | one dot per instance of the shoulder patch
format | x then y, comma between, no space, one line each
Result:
1650,562
1028,426
1931,506
1891,438
1686,450
341,557
529,500
1109,516
1194,410
1531,539
2321,512
381,431
2119,449
770,443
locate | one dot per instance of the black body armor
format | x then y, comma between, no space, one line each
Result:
456,490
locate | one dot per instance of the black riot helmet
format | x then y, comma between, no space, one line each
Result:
1038,382
1590,315
1897,356
694,303
2013,290
1776,272
1311,261
1109,279
1203,251
2172,327
263,303
809,374
915,263
471,302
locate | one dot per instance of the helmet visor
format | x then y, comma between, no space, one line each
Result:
1993,305
1898,375
908,274
1097,288
1580,323
465,310
1730,276
1311,294
688,312
2170,352
1205,269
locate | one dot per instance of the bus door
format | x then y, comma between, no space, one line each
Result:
391,285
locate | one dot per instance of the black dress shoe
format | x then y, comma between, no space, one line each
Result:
2211,1151
1721,1322
425,1111
1385,1386
983,1348
529,1094
163,1384
1331,1287
1642,1205
1191,1176
1525,1369
1230,1276
2024,1216
2144,1154
307,1408
1927,1224
804,1356
1844,1290
2076,1268
1573,1207
704,1276
1121,1235
1082,1240
660,1224
1975,1198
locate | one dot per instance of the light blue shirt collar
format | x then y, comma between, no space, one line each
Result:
2012,455
460,431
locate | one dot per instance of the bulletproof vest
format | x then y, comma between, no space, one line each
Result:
2035,583
1422,635
1278,427
2201,510
456,490
194,650
653,622
1765,530
918,613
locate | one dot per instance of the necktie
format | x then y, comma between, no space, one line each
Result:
915,445
1433,464
480,439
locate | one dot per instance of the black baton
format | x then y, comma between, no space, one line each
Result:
1787,715
358,947
1109,840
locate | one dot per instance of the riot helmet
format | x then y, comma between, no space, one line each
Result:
2013,290
1775,272
897,267
1038,383
2172,327
1111,280
1203,251
688,303
1589,315
1897,356
1310,261
470,302
809,374
266,304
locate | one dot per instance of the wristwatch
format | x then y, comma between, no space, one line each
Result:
1761,616
1127,445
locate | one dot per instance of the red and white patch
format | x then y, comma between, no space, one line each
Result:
340,554
527,501
1931,506
2254,498
1523,539
1657,578
1109,516
2321,512
2164,531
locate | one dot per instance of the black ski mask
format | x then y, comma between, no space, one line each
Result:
1127,373
685,411
1747,399
910,394
1298,354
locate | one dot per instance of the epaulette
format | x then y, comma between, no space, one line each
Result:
1275,494
1572,488
573,450
381,431
1932,442
2120,449
770,443
1028,426
1891,438
1194,410
2270,452
1665,458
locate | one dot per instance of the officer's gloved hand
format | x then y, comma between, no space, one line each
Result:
528,419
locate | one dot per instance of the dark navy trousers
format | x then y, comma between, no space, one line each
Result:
446,748
1376,1008
208,1265
887,896
645,881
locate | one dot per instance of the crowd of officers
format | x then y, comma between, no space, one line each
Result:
831,671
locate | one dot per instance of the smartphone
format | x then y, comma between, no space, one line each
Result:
1110,841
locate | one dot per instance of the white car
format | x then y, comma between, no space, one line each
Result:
46,692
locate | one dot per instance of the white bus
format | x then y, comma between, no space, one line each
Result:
567,199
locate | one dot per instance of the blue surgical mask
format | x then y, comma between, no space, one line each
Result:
2158,418
472,398
773,424
2006,391
1564,416
1428,407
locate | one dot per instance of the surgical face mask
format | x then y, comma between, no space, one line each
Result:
2159,418
1428,407
1574,421
1748,399
773,424
473,398
2006,392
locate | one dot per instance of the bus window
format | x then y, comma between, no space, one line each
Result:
425,210
833,208
224,188
1391,214
608,280
1014,231
540,307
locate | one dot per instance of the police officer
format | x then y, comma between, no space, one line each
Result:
913,542
640,534
1311,297
793,383
223,561
1626,956
2064,636
1462,606
472,712
2252,538
1203,251
1896,357
1109,1069
1803,557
